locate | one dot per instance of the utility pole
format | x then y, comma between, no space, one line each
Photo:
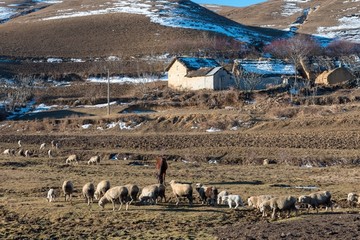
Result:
108,93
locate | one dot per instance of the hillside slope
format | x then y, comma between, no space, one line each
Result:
331,18
87,28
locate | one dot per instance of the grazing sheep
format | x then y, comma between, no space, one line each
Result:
316,199
42,146
220,197
94,160
68,189
255,201
27,153
101,189
353,199
51,195
149,193
182,190
201,189
232,198
278,204
53,144
9,152
161,192
50,153
72,159
207,194
21,153
115,193
19,143
88,191
133,192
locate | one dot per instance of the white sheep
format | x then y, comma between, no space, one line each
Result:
42,146
115,193
255,201
68,189
9,152
94,160
133,192
220,197
19,143
233,198
353,199
21,153
51,195
72,159
27,153
149,193
50,155
284,203
88,191
182,190
101,189
316,199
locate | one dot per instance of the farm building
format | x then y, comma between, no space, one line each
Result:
198,73
261,74
335,76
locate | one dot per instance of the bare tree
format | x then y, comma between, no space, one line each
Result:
295,49
19,91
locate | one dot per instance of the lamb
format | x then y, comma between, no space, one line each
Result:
51,195
72,159
133,192
149,193
182,190
232,198
94,160
115,193
220,197
316,199
42,146
68,189
278,204
201,189
88,191
101,189
255,201
353,199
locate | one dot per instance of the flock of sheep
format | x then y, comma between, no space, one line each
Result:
73,159
206,194
150,194
28,153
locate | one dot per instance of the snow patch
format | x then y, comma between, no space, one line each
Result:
6,13
213,129
348,28
167,13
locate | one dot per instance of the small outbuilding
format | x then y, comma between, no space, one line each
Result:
262,73
335,76
198,73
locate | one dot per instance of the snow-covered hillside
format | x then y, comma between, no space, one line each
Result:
177,14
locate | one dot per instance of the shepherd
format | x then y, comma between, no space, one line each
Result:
161,166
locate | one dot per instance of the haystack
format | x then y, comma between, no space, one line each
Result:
335,76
